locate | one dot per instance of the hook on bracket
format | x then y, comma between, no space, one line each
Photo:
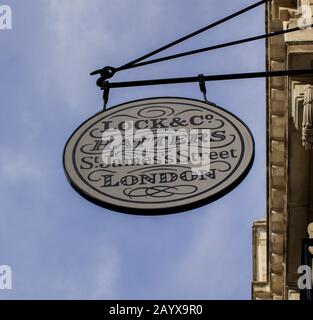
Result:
106,90
105,73
202,86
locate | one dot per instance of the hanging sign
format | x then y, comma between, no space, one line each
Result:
158,155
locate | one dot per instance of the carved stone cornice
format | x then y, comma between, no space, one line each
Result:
302,111
307,124
310,232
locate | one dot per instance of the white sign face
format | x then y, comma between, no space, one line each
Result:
158,155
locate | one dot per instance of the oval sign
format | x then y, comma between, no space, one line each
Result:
158,155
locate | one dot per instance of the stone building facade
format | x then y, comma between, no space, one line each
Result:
277,240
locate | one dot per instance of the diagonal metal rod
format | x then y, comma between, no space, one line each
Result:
186,37
210,26
219,46
221,77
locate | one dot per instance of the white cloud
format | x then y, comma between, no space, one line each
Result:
90,35
93,279
213,264
18,167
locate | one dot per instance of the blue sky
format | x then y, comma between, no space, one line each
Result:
59,245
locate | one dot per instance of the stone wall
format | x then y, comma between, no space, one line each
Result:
289,207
